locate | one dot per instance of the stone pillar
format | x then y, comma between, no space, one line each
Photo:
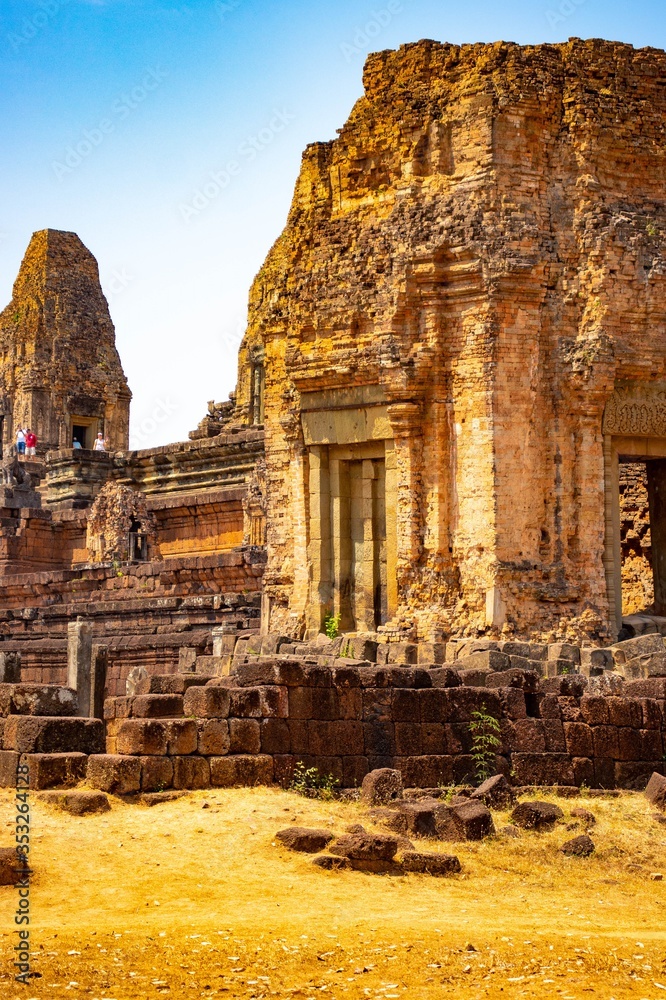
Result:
299,494
10,668
100,656
406,424
319,547
341,541
656,477
79,663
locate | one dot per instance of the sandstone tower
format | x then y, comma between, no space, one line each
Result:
462,335
60,372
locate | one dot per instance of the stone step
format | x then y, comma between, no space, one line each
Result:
37,699
174,683
34,734
55,770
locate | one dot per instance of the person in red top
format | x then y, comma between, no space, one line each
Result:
30,444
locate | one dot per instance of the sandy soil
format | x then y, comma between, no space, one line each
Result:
182,901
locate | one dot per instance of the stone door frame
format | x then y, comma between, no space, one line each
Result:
634,427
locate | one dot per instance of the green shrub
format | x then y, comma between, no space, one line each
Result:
484,728
332,626
309,782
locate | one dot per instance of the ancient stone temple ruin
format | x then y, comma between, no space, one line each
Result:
447,444
60,373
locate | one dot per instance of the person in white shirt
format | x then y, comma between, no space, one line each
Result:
20,442
100,443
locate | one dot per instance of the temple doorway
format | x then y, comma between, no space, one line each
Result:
643,535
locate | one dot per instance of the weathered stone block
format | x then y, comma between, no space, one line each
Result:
402,652
182,736
274,736
542,769
191,772
431,654
157,706
564,651
39,734
430,864
408,740
209,702
213,738
156,773
260,702
578,736
55,770
244,736
142,736
114,773
594,710
239,769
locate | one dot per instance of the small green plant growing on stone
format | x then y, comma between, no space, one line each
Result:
332,626
309,782
651,229
484,728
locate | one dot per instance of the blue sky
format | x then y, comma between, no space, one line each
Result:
168,136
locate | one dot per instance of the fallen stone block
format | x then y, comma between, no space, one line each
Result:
381,786
55,770
365,847
331,863
655,792
536,815
584,815
301,838
79,802
157,798
578,847
46,734
495,792
114,773
468,820
430,864
12,869
419,818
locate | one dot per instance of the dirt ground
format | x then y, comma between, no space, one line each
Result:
179,900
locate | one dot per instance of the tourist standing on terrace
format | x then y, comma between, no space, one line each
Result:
30,444
20,442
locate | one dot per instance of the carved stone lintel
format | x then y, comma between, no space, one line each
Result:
636,409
